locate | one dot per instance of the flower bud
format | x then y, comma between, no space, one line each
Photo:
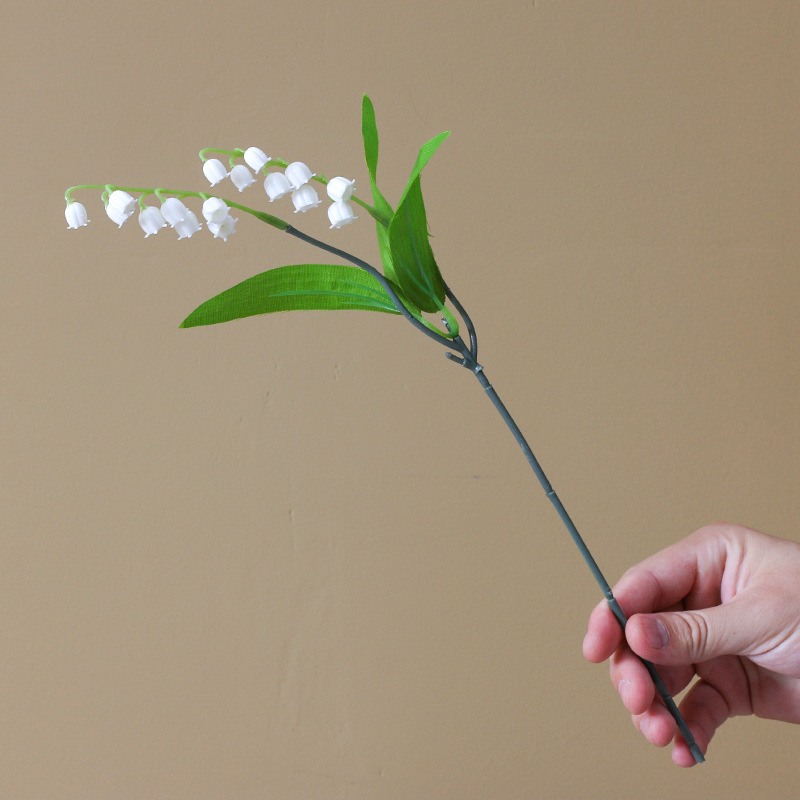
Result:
277,185
76,215
214,170
305,198
298,174
255,158
241,177
340,188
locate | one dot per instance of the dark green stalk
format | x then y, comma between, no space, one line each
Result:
615,607
468,359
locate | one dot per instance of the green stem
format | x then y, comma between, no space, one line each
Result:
81,186
418,322
276,222
236,153
378,216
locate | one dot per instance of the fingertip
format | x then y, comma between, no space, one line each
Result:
603,636
591,648
682,755
657,726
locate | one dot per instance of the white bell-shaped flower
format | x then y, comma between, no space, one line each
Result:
305,198
255,158
174,211
340,188
215,209
298,174
242,177
187,227
151,221
214,170
76,215
222,230
117,217
277,185
120,206
340,214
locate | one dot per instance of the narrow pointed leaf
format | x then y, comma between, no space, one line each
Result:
297,287
424,156
369,132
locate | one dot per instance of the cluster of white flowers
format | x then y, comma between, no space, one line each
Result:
120,206
294,180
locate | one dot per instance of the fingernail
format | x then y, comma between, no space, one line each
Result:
654,632
644,728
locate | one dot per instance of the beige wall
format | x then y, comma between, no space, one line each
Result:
299,556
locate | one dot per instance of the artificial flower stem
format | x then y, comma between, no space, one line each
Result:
231,153
276,222
469,360
379,217
417,323
615,607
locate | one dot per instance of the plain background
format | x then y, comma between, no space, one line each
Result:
300,556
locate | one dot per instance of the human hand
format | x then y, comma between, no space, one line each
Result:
727,609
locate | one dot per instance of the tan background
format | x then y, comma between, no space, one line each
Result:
299,556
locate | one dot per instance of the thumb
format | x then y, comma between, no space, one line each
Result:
690,637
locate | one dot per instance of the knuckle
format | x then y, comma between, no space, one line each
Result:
694,634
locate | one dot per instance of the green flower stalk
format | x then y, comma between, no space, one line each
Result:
410,283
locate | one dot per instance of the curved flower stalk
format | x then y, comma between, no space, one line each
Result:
410,284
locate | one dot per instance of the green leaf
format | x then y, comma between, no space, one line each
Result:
369,132
416,270
424,156
297,287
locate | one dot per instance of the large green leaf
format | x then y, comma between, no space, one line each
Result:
297,287
416,270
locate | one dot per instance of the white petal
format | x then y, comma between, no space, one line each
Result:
277,185
187,227
151,221
214,170
76,215
255,158
241,177
120,206
122,202
215,209
340,188
298,174
305,198
174,211
340,214
116,215
222,230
